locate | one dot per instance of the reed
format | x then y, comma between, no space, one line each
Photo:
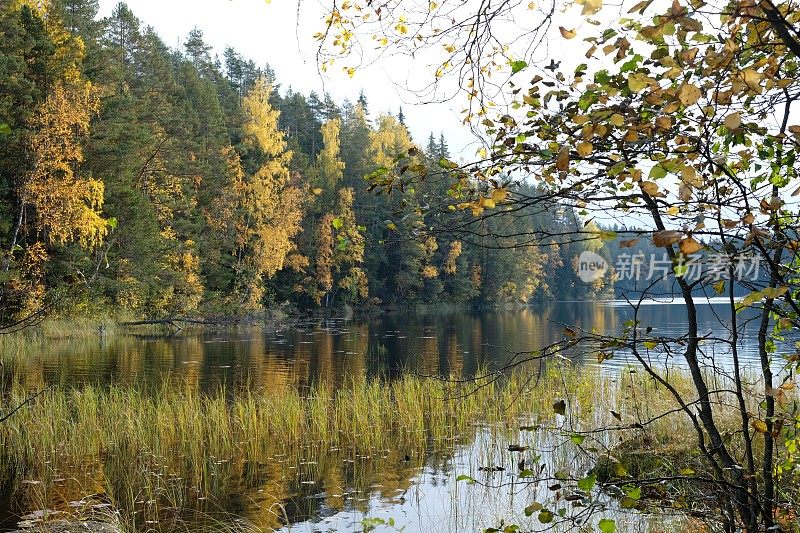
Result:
156,455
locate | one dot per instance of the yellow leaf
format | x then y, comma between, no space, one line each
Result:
674,210
719,286
689,94
562,163
499,195
638,81
590,7
733,121
616,120
689,175
666,238
316,191
584,148
759,425
631,136
488,203
565,33
752,79
649,187
689,246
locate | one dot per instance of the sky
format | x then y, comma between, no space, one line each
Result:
274,34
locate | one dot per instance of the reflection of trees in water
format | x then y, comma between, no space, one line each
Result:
322,484
329,351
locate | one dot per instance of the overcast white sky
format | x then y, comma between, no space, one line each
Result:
270,34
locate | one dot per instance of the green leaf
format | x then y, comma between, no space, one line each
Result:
337,223
650,344
577,439
587,483
545,517
632,491
518,65
561,475
112,223
5,129
607,525
527,473
628,503
657,172
469,479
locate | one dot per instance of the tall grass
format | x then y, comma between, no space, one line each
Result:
157,455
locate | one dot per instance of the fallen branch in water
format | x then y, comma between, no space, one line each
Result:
176,321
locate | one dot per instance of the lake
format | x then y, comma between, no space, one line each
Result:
330,350
336,493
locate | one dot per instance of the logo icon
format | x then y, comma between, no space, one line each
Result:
591,266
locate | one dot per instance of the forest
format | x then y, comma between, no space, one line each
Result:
158,181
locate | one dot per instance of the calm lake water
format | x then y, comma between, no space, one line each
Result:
330,350
421,494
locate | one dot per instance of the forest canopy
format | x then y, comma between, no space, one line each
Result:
163,181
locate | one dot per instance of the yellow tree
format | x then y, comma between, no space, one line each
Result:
329,168
55,203
270,200
339,240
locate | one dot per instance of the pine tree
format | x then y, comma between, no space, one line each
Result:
362,101
432,150
197,49
122,38
442,150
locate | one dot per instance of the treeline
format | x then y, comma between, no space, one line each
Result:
167,181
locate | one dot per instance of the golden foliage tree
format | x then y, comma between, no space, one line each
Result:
270,200
55,203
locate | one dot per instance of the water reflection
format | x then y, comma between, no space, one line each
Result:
331,351
336,490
